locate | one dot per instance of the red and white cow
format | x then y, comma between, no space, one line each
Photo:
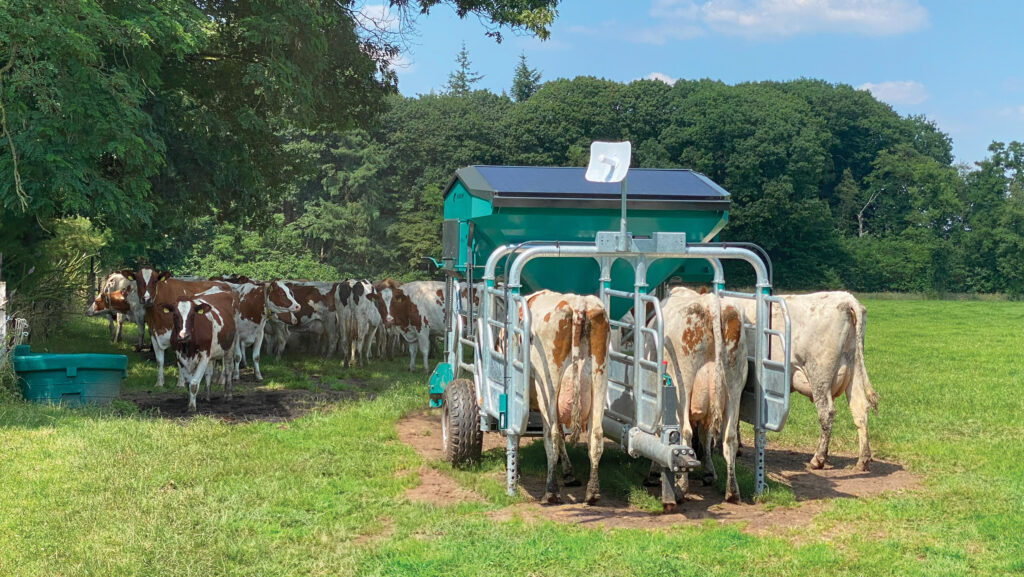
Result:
134,312
416,312
827,359
568,360
317,317
706,353
205,330
159,294
257,302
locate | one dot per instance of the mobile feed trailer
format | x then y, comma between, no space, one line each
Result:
522,229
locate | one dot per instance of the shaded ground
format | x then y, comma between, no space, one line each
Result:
249,402
812,489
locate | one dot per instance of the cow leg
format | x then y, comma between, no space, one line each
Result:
142,334
159,354
596,449
826,413
412,356
256,346
118,325
425,347
568,474
710,476
730,445
859,410
553,444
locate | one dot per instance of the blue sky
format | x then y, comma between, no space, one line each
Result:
960,63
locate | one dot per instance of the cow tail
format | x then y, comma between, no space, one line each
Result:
719,397
860,373
579,327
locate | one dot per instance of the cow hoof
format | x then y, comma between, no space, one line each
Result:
707,479
733,498
571,481
668,507
551,499
817,462
862,465
593,499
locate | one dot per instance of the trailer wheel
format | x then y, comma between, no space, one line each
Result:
461,437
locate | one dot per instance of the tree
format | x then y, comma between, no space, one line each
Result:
462,79
526,80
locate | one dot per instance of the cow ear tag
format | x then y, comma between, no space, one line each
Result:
200,311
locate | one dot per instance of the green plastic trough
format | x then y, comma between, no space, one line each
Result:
70,379
488,206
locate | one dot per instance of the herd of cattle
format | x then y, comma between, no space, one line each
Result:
205,322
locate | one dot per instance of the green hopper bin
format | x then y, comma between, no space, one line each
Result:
70,379
486,207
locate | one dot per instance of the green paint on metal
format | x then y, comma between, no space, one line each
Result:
439,379
503,411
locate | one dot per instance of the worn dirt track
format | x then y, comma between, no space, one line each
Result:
812,489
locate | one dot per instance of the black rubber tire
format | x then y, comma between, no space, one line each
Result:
461,438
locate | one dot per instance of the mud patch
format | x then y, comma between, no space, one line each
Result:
812,489
249,402
436,488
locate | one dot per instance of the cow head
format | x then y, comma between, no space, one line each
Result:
146,280
118,300
98,306
280,298
387,289
400,310
186,312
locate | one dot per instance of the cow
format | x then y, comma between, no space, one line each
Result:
568,360
827,360
134,311
159,294
413,311
385,338
317,317
358,319
705,352
204,331
257,302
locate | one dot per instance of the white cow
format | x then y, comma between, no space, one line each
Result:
827,360
358,319
416,310
136,314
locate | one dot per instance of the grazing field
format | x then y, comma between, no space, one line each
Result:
317,481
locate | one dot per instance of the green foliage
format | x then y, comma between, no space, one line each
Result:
525,81
461,80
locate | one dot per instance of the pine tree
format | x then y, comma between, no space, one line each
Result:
462,79
526,80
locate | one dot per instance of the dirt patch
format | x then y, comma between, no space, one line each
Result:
812,489
436,488
249,402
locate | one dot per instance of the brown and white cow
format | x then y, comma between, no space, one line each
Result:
568,361
706,356
134,311
205,331
827,359
414,311
317,317
257,302
159,294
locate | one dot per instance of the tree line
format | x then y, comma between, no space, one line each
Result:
839,189
200,139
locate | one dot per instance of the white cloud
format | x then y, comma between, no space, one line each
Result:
775,18
377,17
897,92
662,77
1014,112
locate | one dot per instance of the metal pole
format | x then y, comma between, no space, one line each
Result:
622,219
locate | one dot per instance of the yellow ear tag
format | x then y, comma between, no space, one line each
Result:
199,311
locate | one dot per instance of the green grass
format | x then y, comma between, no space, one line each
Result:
111,491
